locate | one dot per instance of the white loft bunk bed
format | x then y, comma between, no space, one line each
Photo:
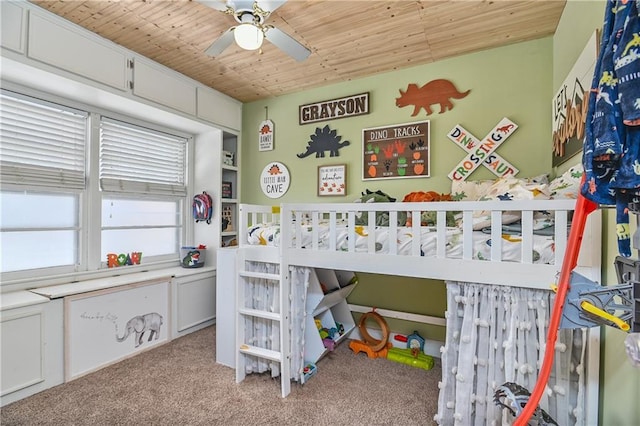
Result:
509,270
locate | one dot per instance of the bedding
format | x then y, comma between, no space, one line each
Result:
543,245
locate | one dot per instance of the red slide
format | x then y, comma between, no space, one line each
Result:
583,208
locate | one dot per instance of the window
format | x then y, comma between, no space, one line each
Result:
78,185
42,165
142,176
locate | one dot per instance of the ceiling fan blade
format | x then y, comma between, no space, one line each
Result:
287,44
214,4
270,5
221,43
241,4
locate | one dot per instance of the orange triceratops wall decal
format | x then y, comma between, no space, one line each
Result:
434,92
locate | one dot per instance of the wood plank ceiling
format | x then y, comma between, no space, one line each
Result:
348,39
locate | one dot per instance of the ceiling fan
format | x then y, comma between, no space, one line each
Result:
251,28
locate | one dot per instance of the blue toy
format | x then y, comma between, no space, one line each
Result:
415,342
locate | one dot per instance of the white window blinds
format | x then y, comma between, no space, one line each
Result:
139,160
43,144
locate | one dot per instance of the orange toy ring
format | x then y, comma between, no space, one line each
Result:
375,344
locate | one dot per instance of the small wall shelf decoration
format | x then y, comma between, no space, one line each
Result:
434,92
394,152
332,180
229,187
266,133
275,180
482,152
323,140
227,219
227,190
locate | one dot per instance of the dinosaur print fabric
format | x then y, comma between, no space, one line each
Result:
543,248
611,151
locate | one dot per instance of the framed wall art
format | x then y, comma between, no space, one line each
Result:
332,180
394,152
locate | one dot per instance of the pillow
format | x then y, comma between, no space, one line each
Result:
469,190
510,188
568,184
480,189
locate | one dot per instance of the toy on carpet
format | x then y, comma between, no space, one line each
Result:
415,343
329,336
514,397
309,371
413,354
374,343
358,346
400,338
374,348
410,357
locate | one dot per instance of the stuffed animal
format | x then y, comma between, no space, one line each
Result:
382,218
419,196
429,218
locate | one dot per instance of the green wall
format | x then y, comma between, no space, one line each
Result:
504,82
516,81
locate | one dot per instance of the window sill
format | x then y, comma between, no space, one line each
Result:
20,299
62,290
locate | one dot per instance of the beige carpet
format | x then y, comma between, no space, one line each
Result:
180,383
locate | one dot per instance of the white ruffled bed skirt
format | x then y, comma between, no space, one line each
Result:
263,295
497,334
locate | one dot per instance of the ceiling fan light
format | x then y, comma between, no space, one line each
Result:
248,36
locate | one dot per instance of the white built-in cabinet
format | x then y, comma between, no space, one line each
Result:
230,189
13,28
177,92
217,109
76,52
32,324
327,303
42,51
226,288
194,302
42,38
31,328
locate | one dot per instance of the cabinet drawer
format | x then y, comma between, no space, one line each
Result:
165,87
22,351
73,51
196,301
220,109
14,21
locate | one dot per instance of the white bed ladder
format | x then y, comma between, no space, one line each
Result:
244,349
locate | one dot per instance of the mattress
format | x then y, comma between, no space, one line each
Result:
543,245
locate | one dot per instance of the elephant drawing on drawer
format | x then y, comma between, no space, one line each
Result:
140,324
